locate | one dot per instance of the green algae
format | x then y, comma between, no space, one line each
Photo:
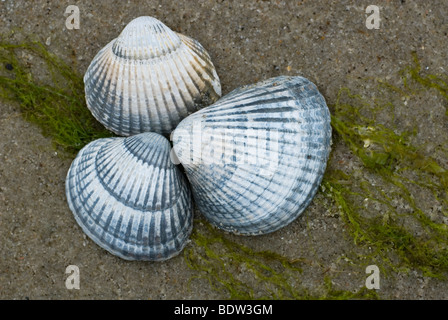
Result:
395,164
239,272
55,102
220,261
428,81
400,232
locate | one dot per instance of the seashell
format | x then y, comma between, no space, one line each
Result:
256,157
149,79
129,198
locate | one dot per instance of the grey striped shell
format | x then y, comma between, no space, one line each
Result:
149,79
129,198
256,157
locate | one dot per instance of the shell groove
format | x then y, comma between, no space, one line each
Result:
256,157
129,198
149,79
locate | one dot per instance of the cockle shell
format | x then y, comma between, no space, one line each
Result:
129,198
149,79
256,157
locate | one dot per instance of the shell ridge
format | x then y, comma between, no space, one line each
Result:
185,76
219,195
116,225
131,86
201,56
182,89
143,149
253,92
193,76
147,80
140,101
129,105
176,115
117,122
115,229
269,185
167,121
217,114
104,112
125,185
104,166
156,106
241,96
244,200
152,29
128,183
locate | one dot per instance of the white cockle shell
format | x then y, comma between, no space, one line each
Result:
256,158
149,79
129,198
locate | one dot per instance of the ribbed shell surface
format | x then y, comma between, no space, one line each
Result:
129,198
256,157
149,79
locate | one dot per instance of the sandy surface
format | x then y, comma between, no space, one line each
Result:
325,41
